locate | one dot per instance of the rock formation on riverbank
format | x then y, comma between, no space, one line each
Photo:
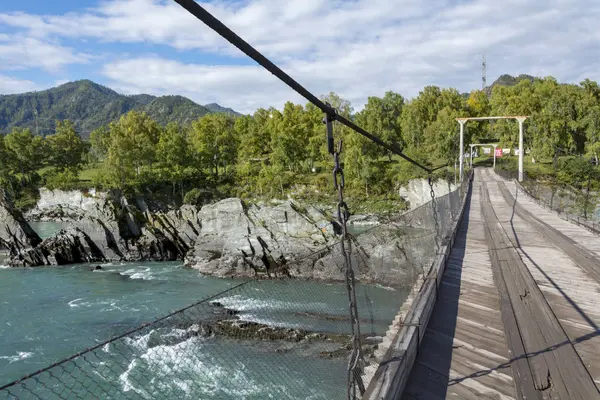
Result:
226,239
15,233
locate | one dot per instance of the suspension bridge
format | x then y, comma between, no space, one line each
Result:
503,303
516,309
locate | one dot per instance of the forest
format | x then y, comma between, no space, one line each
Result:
278,153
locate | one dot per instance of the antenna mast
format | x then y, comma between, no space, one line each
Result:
483,73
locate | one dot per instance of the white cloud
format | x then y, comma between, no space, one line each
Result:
19,52
357,48
245,88
9,85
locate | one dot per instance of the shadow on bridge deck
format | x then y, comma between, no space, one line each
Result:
464,353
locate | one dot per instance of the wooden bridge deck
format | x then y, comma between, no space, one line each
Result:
518,313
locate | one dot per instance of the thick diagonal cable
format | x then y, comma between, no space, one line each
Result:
199,12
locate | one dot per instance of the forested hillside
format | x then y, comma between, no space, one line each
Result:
90,106
277,153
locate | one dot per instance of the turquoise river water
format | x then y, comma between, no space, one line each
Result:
50,313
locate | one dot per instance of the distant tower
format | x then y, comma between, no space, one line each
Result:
483,72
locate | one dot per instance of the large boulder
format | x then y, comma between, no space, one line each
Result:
236,240
155,246
104,217
389,255
61,205
105,233
15,233
181,227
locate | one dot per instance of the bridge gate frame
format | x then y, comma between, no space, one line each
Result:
462,121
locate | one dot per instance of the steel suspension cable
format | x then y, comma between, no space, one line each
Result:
207,18
356,359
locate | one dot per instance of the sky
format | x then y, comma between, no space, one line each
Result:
356,48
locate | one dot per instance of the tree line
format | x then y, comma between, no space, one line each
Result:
275,152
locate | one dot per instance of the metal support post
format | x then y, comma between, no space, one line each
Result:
455,172
461,154
521,120
494,158
471,157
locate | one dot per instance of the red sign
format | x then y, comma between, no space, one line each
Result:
498,152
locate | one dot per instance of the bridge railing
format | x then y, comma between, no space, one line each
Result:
578,207
393,360
271,338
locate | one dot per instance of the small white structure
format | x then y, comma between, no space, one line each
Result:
520,119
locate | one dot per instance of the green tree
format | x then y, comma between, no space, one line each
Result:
442,136
583,177
478,105
254,136
26,151
289,144
132,151
65,148
343,106
420,115
99,142
317,150
554,127
589,110
214,140
381,116
5,164
345,109
173,155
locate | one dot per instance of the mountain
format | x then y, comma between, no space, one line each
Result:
216,108
508,80
166,109
143,98
90,105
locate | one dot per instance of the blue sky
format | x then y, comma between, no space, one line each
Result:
356,48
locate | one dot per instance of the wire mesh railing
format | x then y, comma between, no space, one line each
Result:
264,340
579,207
280,339
353,373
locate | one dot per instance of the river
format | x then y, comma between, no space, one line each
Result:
49,313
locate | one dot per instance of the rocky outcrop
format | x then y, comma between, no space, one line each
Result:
69,246
105,234
239,240
291,241
15,233
226,239
67,200
418,192
385,255
121,231
180,227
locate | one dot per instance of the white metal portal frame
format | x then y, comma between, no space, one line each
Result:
493,145
520,118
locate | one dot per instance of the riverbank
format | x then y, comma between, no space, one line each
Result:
229,238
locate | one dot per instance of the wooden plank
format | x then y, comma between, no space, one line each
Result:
582,257
426,384
555,365
464,344
521,370
391,375
571,295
